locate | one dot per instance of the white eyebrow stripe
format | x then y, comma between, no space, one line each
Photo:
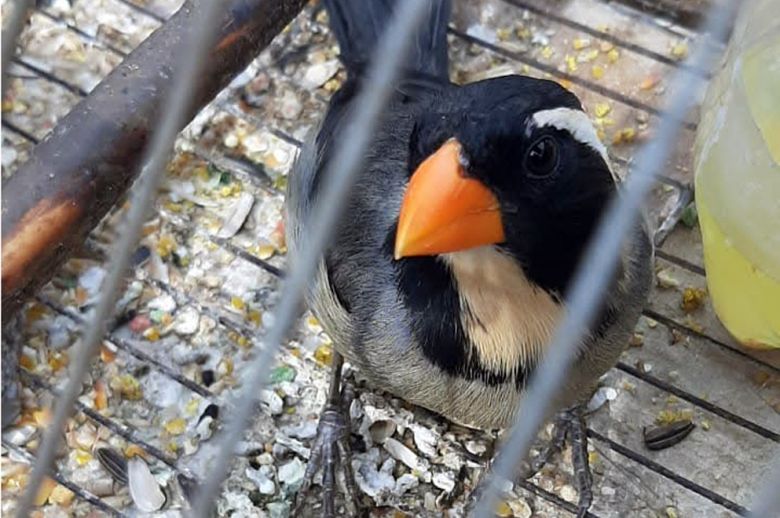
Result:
579,126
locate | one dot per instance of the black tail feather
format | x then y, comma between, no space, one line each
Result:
358,25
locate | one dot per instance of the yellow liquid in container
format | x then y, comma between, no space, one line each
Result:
738,179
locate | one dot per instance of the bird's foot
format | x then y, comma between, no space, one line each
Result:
330,450
570,424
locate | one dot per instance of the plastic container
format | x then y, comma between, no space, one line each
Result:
738,179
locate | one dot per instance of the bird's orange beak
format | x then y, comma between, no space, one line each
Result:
445,211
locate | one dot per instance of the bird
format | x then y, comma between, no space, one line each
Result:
450,268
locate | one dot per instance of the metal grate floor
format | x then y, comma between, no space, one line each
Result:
199,299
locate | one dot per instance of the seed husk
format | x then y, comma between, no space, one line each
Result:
668,435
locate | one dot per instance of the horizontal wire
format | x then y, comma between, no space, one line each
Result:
74,89
725,414
143,10
595,271
252,119
602,35
679,261
126,432
701,403
22,133
77,490
669,474
107,45
552,498
544,67
668,322
244,254
280,273
132,350
662,24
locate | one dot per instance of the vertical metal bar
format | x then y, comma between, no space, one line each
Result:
178,99
11,31
767,501
341,170
598,265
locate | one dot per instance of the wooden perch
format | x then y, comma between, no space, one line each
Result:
90,158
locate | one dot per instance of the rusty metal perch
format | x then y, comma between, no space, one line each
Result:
90,158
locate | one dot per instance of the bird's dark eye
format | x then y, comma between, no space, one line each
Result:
541,159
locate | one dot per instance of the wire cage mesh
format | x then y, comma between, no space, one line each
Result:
205,282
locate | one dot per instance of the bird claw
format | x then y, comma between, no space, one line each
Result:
570,424
330,450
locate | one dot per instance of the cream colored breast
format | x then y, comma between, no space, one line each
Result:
508,319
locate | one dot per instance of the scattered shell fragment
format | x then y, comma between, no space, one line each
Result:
404,454
374,482
503,510
318,74
520,508
381,430
291,473
665,279
600,397
175,426
187,321
262,479
568,493
44,491
273,401
144,488
602,109
444,480
477,448
680,50
101,395
61,496
241,209
580,43
636,340
666,417
425,439
19,435
404,483
648,82
290,107
164,303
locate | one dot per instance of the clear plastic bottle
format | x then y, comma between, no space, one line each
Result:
738,179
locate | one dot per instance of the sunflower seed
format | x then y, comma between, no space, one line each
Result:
114,463
667,435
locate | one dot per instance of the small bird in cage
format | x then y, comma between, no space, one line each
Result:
450,269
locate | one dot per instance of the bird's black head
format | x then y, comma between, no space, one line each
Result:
520,167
